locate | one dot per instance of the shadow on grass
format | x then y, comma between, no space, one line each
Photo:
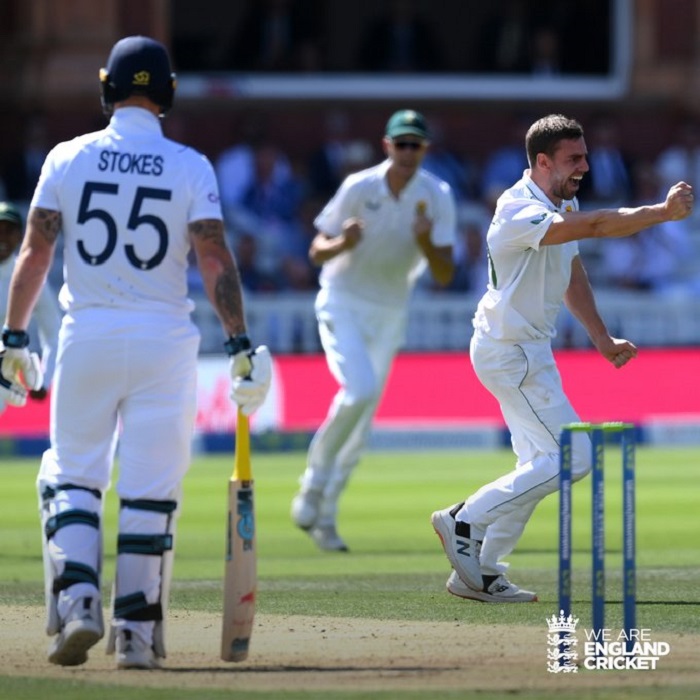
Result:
663,602
313,669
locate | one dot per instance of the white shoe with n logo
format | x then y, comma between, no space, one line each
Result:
461,548
497,589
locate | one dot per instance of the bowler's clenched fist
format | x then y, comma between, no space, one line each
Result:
679,201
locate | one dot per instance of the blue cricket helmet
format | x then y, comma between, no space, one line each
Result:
138,65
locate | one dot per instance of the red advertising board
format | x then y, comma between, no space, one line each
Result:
436,389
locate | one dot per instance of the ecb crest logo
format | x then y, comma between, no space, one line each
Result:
562,653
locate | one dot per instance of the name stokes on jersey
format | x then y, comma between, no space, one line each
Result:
131,163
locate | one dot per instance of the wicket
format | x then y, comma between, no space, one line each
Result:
597,433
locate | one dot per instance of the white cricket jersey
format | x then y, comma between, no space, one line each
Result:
526,283
383,266
127,195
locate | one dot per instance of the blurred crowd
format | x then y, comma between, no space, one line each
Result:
270,200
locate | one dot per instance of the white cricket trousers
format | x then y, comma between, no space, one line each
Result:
524,378
123,379
129,376
360,341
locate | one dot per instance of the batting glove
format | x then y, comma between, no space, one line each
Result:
11,393
251,372
19,366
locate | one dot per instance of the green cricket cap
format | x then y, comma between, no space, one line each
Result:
405,122
9,212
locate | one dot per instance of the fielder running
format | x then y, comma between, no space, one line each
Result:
534,266
374,238
130,204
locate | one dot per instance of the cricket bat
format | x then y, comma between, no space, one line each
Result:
240,574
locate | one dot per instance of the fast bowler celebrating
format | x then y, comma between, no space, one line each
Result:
534,266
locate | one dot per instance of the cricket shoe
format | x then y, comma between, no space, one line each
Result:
305,508
327,538
461,548
133,652
497,589
81,630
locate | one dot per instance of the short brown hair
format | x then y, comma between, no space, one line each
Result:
546,133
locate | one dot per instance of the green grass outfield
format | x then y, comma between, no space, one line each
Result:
396,565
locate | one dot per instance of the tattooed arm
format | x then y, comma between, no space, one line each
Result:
219,273
33,264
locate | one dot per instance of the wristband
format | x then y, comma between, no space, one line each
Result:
14,339
237,343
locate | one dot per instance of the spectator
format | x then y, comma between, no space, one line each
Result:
681,159
298,274
470,250
253,279
400,41
609,181
446,164
235,166
505,165
358,155
269,210
655,258
327,162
